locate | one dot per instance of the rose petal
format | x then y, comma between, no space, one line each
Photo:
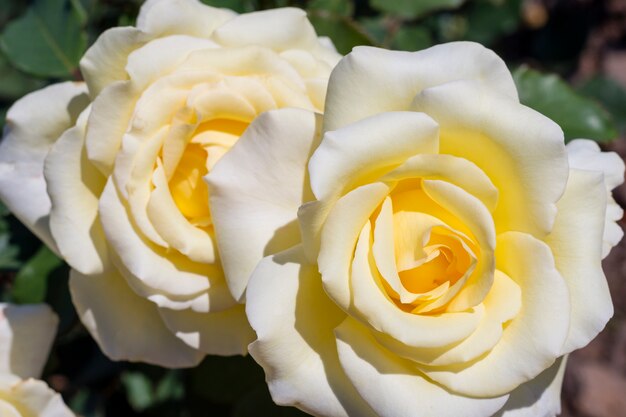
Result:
278,29
359,152
294,320
393,388
586,154
74,186
373,307
517,147
188,17
256,189
33,398
370,81
533,339
26,336
540,397
105,61
33,124
125,325
225,332
576,243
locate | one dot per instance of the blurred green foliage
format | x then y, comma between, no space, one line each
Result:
41,42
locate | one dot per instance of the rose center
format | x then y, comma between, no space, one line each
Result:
210,141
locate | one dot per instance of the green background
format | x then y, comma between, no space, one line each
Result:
550,47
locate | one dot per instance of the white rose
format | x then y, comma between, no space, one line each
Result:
114,182
445,256
26,335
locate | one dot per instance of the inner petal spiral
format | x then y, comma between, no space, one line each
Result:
420,252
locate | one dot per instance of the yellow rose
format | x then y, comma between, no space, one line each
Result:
446,254
110,173
26,335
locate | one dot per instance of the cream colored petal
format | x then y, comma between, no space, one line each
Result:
225,332
256,189
358,153
540,397
33,124
170,223
586,155
339,237
74,186
294,320
576,242
170,274
26,336
477,218
161,56
393,388
501,305
459,171
519,149
369,80
373,307
34,398
278,29
126,326
109,119
187,17
533,339
105,61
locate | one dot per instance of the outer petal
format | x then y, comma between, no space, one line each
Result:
105,61
159,272
26,335
393,388
278,29
225,332
359,152
256,189
586,154
126,326
187,17
369,80
540,397
294,320
576,243
74,187
521,150
33,398
533,339
34,123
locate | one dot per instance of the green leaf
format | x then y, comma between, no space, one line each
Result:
343,31
138,390
376,28
31,281
487,20
578,116
611,94
340,7
48,40
8,253
170,387
14,84
412,38
413,9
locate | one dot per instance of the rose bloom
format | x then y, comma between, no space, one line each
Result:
446,253
109,173
26,335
